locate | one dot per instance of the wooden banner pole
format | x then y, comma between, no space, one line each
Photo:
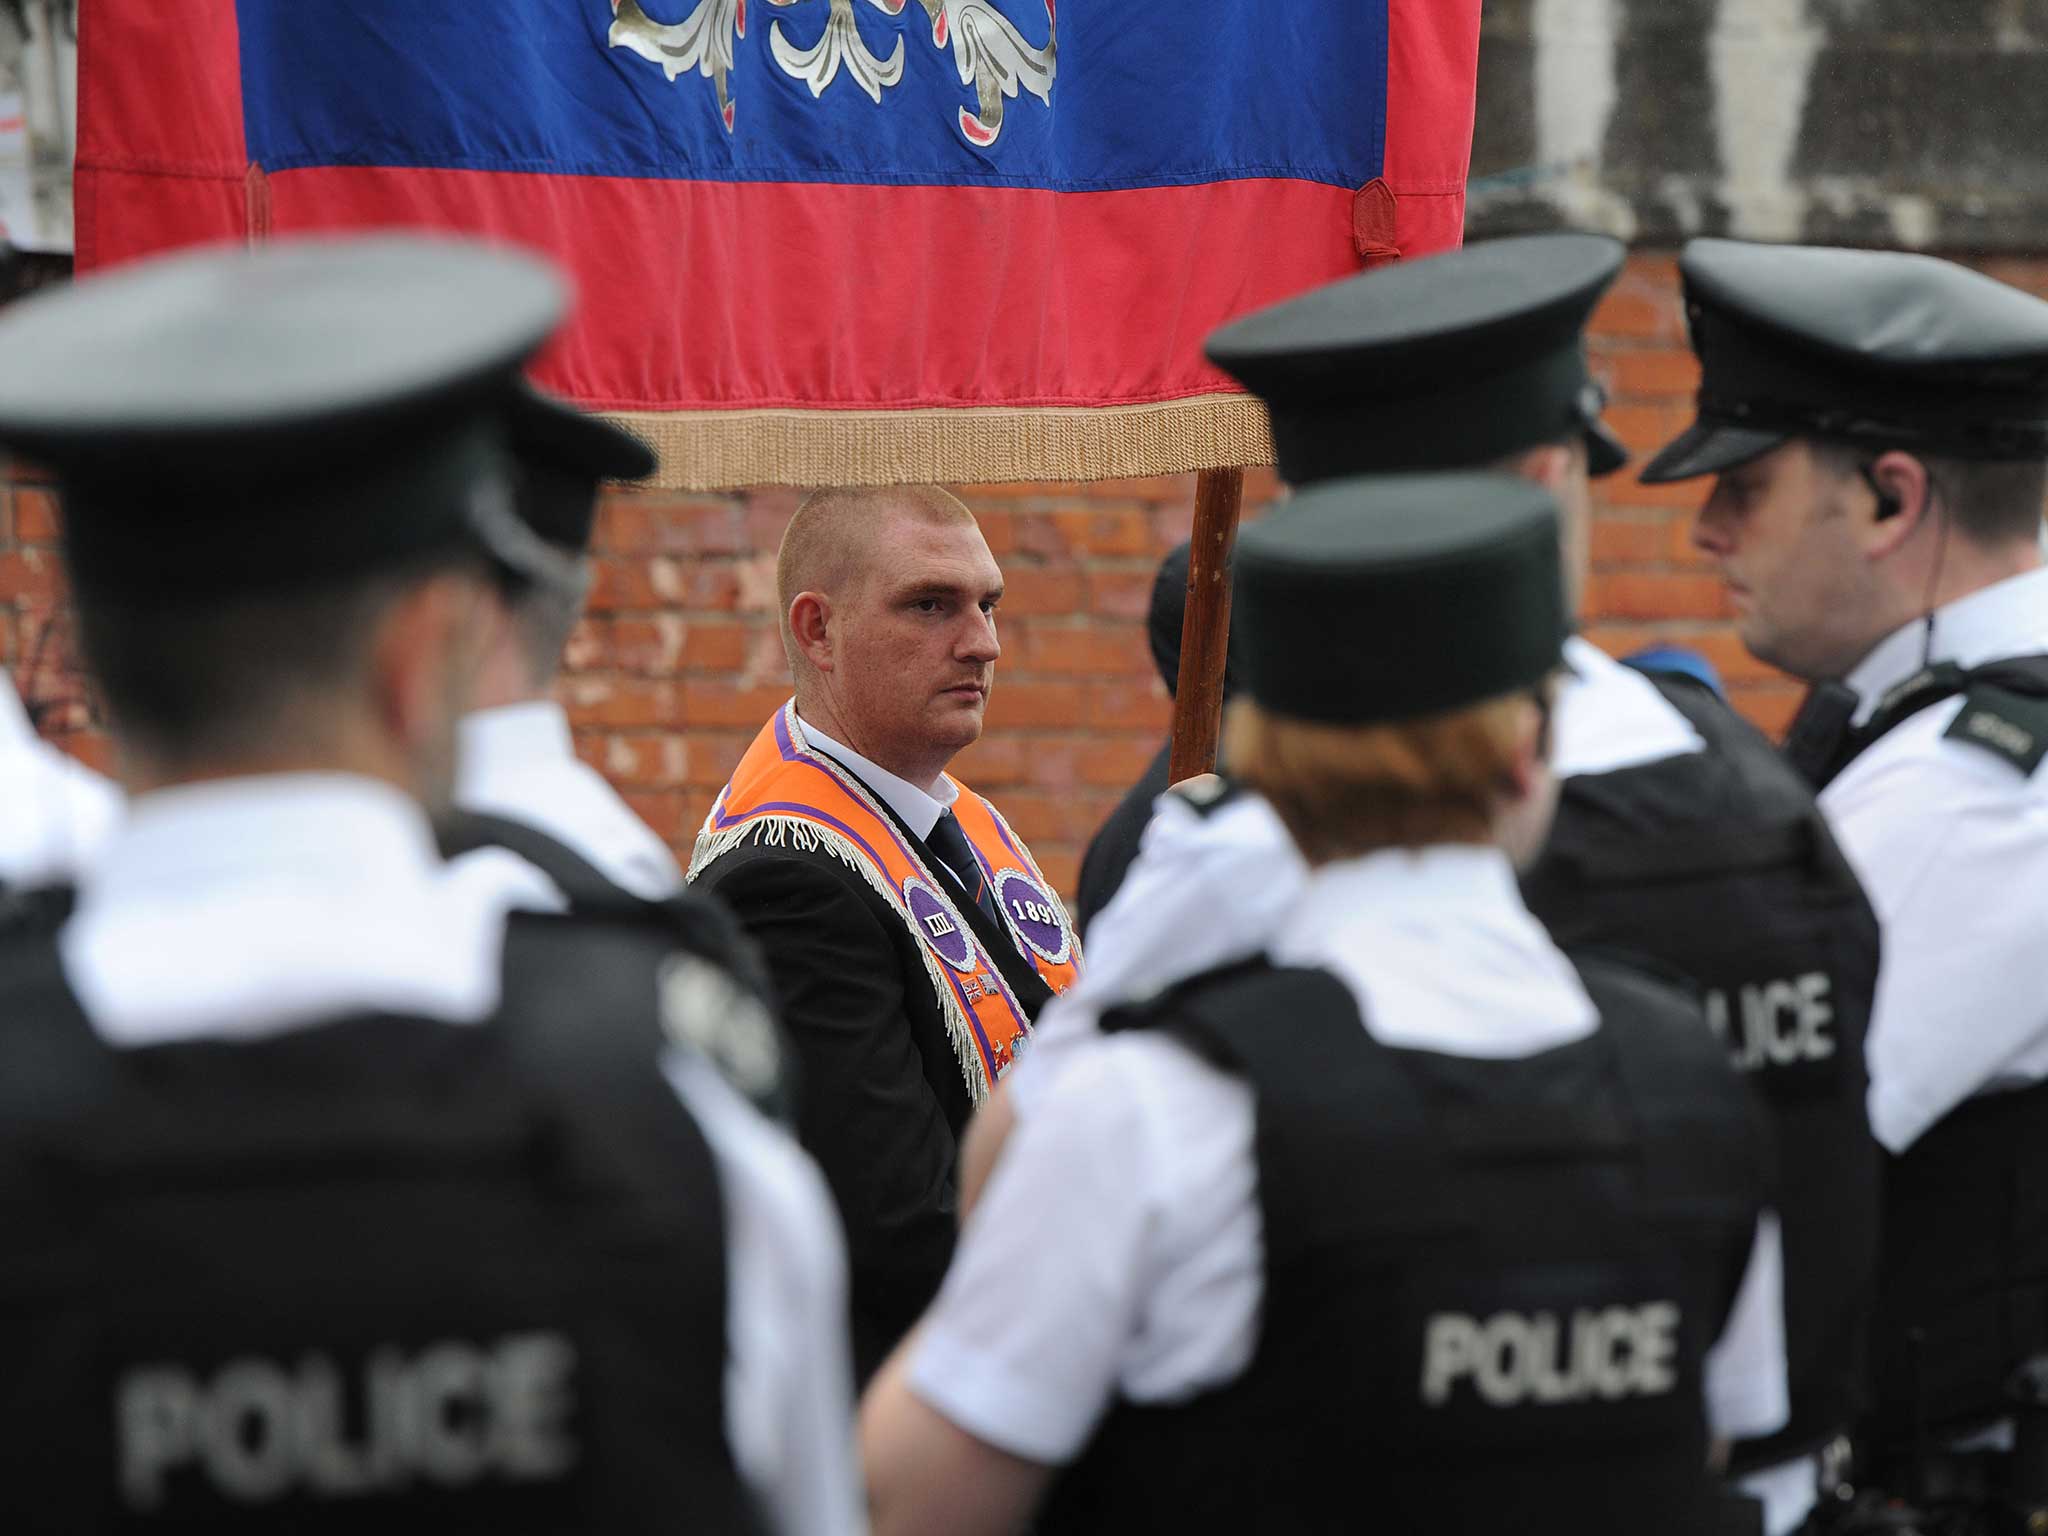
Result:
1205,630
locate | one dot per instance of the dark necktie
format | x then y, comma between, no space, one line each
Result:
949,843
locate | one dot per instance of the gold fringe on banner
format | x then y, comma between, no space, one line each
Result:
720,450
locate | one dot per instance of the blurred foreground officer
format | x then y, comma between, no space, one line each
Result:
1878,428
1412,1226
518,780
335,1198
54,812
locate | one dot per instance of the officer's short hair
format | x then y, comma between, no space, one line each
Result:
184,678
1992,502
1346,790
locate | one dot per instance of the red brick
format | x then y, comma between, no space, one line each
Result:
1647,428
721,703
996,760
1628,541
1121,592
1149,488
1628,311
1108,531
1118,761
649,760
1653,371
714,754
619,701
999,528
1121,706
1036,589
1097,650
666,811
1040,534
1624,490
35,515
24,572
1061,864
1643,595
1035,815
1018,705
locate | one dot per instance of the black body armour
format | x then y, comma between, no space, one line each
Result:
382,1274
1489,1285
1964,1298
1718,865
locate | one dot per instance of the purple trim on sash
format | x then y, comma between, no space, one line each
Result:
793,754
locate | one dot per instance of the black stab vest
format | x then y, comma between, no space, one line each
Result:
1964,1298
1426,1219
379,1274
1718,865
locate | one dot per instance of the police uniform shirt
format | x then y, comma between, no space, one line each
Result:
1070,1289
519,761
245,909
1950,842
1211,882
54,812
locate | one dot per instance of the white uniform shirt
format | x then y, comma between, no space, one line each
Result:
519,761
1951,843
54,812
1070,1288
1207,890
247,908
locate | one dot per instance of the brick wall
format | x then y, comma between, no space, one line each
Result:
678,662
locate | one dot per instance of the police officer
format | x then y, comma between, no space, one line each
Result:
1877,428
1414,1225
519,781
336,1198
1680,837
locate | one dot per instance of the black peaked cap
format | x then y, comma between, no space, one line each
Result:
1450,362
563,455
1377,599
1881,348
236,420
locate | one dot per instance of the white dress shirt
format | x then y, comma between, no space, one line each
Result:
1070,1289
246,908
919,807
519,761
1951,843
54,812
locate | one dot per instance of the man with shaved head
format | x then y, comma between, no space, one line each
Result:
910,934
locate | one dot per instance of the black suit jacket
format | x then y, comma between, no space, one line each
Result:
882,1100
1115,847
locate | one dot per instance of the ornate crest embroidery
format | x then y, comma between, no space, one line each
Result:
992,58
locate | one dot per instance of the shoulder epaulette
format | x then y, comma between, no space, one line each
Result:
2005,722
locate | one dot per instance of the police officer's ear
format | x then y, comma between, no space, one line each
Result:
1899,497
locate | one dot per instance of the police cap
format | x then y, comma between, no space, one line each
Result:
1875,347
563,454
1377,599
1451,362
303,413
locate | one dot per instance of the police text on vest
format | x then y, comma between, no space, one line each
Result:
451,1414
1775,1023
1513,1358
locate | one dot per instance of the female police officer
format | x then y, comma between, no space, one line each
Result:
1406,1216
